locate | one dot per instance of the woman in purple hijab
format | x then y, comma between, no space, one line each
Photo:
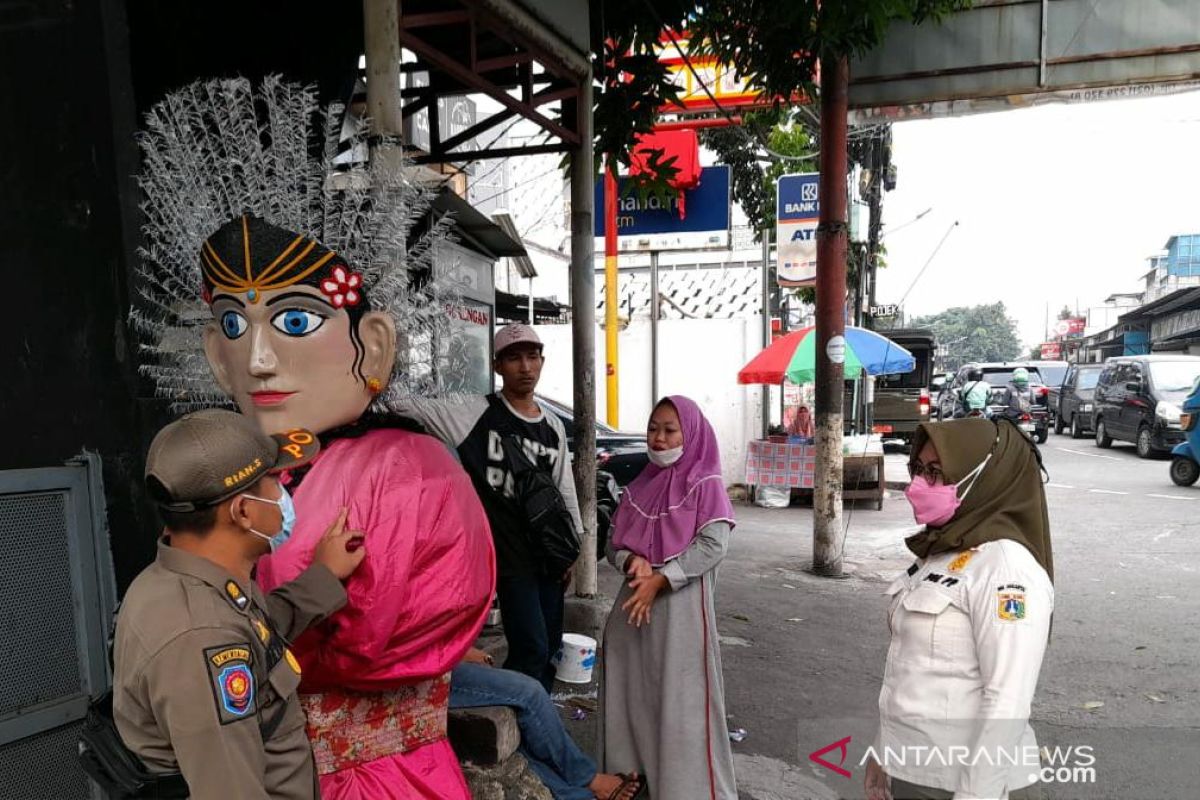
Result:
663,694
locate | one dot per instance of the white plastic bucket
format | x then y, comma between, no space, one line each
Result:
575,658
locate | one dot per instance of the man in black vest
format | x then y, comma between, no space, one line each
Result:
478,427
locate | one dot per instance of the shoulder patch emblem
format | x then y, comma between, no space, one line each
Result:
1010,603
961,560
236,595
223,657
232,680
236,684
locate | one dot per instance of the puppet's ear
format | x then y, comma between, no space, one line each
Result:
377,331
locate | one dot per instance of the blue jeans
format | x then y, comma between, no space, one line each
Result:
531,610
545,743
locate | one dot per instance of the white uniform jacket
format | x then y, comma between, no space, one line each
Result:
969,630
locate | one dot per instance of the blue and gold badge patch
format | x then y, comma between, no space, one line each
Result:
232,680
1010,603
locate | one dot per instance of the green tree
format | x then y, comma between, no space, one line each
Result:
1066,312
974,333
776,46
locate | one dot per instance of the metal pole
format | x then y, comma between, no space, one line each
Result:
531,302
381,45
653,328
766,323
610,294
831,320
583,335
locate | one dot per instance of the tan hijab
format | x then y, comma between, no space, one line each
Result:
1007,500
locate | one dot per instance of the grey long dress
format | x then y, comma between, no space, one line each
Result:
663,696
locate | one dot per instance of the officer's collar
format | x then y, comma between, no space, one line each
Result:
235,591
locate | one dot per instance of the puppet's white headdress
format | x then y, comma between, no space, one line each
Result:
216,150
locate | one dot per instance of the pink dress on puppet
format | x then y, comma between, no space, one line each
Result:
375,676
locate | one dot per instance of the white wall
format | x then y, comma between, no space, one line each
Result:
699,358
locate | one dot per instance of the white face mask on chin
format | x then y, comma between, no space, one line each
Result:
664,458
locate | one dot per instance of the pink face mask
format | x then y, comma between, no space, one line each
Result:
936,504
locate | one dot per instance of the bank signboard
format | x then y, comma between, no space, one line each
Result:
645,224
797,212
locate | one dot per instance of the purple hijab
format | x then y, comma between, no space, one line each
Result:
662,510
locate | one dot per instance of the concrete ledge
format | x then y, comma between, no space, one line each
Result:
484,736
511,780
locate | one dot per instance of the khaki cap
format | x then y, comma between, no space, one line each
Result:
208,456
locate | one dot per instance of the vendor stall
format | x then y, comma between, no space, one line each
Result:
790,462
786,465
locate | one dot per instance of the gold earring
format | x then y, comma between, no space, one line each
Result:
374,385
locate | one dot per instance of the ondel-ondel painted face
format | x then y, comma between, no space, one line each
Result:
291,341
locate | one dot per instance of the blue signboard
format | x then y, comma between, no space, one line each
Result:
797,212
797,197
706,208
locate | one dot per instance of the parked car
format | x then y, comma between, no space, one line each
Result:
902,402
1071,404
1053,373
619,453
1138,400
997,374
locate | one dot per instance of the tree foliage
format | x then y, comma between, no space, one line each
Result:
755,169
775,45
974,333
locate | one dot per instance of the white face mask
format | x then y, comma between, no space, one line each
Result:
664,458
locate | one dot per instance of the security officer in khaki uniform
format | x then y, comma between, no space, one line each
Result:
204,682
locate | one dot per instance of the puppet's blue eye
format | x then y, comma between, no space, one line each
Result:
233,324
295,322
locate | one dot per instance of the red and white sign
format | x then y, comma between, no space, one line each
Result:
1051,351
1073,326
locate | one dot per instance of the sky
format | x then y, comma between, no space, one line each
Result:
1057,204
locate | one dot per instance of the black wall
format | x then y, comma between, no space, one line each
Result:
73,78
69,378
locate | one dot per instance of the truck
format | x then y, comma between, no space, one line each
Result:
902,401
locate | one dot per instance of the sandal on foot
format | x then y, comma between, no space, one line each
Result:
626,782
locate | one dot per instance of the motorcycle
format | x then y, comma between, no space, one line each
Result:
1185,469
608,496
1025,422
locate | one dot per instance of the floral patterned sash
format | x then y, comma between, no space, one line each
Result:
349,728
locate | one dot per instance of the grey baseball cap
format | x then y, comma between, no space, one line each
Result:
208,456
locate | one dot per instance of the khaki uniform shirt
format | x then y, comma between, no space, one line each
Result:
201,661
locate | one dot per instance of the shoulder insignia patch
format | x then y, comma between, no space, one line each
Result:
236,595
1010,603
961,560
291,660
232,680
264,633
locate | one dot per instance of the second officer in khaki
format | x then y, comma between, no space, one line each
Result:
204,682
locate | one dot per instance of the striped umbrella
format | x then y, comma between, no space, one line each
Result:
794,356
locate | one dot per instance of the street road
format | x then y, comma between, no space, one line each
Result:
804,655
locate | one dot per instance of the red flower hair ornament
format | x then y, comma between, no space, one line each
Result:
342,287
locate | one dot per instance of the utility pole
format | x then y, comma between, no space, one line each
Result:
583,333
766,323
832,238
381,43
611,359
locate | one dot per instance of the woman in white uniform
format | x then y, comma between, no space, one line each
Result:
969,620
